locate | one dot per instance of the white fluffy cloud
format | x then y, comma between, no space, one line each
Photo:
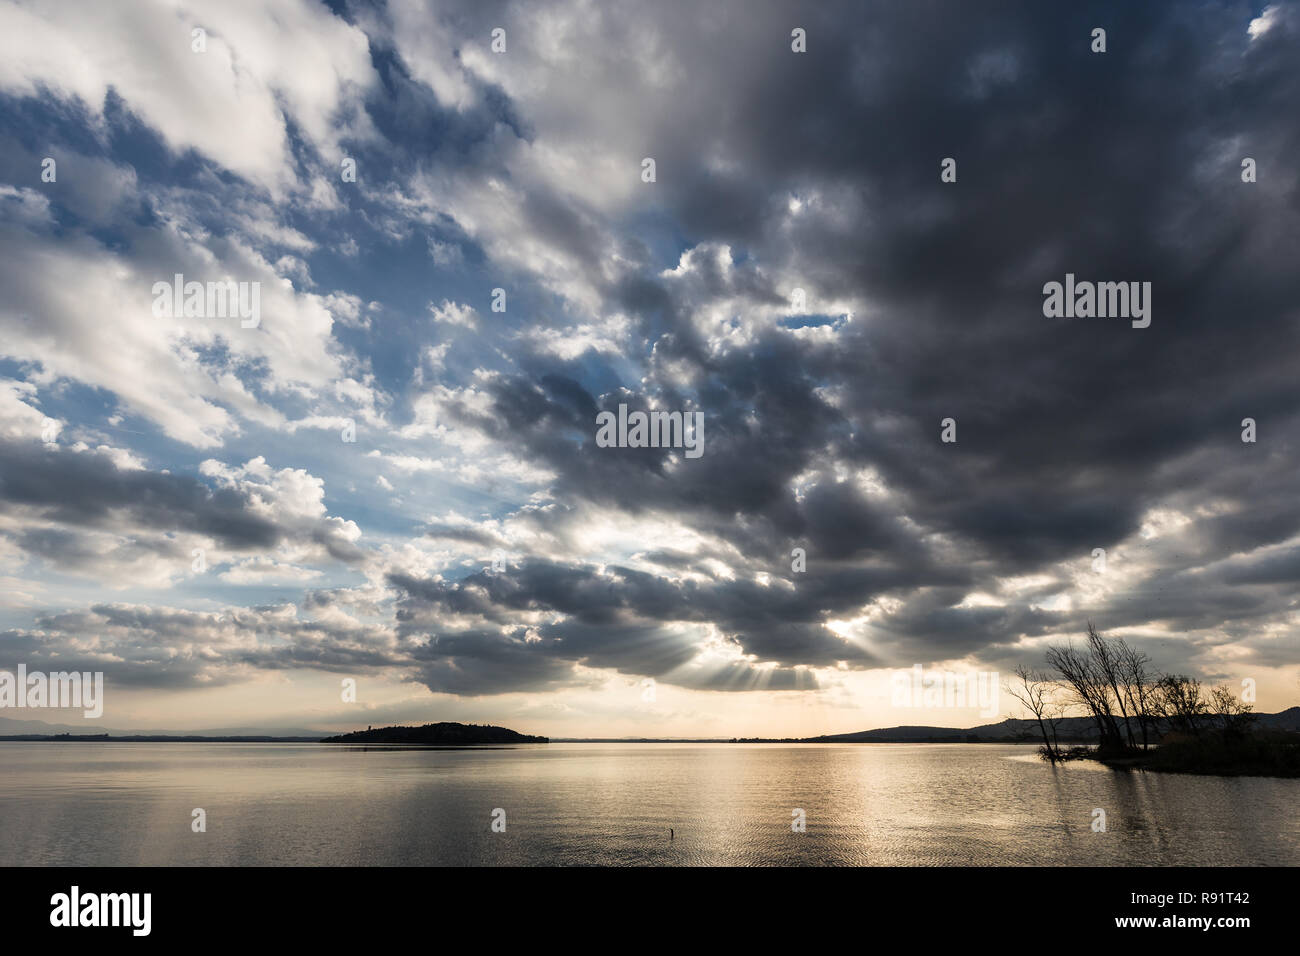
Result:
263,65
82,311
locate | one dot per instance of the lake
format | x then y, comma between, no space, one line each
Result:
613,804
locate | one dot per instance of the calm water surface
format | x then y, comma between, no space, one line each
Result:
612,804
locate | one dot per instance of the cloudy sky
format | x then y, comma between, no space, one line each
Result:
180,507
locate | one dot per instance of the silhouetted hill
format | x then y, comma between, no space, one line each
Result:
1069,730
1289,719
443,733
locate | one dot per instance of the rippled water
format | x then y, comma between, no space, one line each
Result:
613,804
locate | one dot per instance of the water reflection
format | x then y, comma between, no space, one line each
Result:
613,804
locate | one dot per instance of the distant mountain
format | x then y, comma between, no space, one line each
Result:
1069,729
9,727
156,739
12,727
442,733
1289,719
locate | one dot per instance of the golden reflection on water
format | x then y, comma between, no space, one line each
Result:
613,804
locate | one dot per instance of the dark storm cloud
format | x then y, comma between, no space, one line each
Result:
88,490
1115,166
83,490
619,619
476,663
463,534
820,171
177,648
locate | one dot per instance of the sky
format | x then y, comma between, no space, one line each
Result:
389,474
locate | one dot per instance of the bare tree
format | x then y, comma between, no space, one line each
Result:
1088,685
1055,714
1234,716
1137,686
1034,691
1107,661
1110,677
1178,700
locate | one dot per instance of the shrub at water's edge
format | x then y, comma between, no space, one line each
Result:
1150,721
1254,754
